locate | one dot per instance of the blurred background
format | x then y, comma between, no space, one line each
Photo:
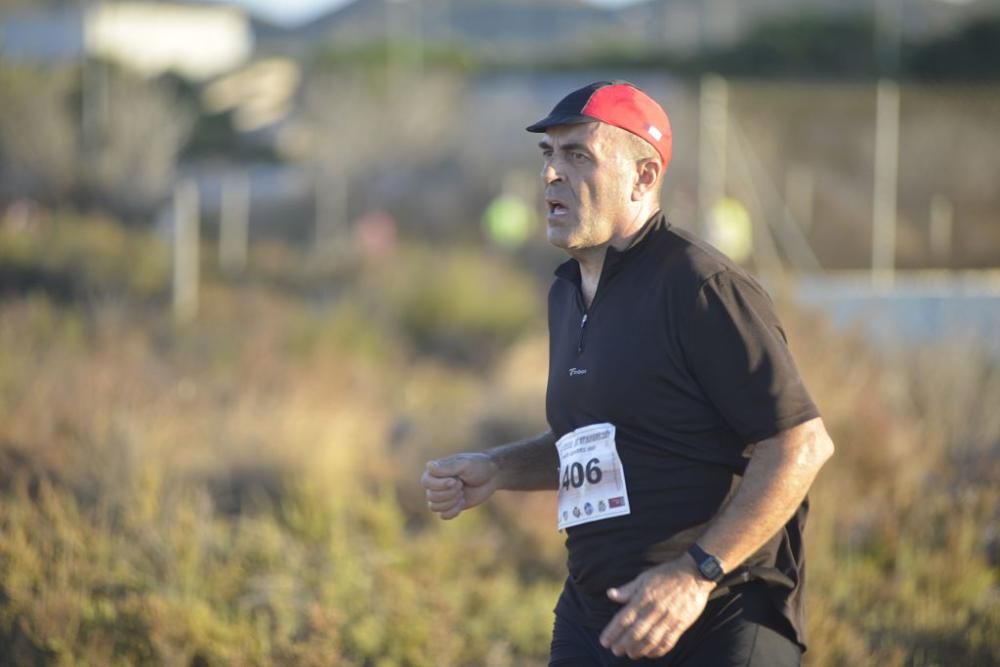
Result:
260,260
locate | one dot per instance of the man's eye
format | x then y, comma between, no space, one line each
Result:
579,157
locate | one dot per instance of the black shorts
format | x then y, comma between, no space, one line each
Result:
739,629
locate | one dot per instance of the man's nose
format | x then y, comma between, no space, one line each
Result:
550,174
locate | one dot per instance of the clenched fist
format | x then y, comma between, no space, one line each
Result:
458,482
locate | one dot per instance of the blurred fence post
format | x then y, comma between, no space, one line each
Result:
942,221
331,210
186,239
714,112
234,223
886,182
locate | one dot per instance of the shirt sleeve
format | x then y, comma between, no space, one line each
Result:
737,351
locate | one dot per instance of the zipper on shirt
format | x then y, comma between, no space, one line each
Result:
583,319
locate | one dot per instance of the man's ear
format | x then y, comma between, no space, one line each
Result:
649,171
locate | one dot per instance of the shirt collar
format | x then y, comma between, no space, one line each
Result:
615,259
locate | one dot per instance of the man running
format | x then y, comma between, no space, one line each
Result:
683,441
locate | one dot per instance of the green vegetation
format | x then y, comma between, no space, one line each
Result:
244,491
801,46
69,260
798,46
375,55
972,54
812,46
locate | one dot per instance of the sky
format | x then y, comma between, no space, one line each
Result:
290,12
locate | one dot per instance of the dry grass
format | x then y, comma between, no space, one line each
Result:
244,492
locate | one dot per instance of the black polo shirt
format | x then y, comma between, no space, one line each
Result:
682,352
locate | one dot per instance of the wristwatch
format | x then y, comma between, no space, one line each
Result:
709,566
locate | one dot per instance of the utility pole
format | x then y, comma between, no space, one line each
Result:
886,182
886,187
93,84
714,112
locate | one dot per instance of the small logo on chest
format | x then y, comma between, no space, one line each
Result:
577,371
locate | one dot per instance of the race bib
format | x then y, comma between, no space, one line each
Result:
591,476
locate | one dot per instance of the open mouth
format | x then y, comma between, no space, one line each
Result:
556,207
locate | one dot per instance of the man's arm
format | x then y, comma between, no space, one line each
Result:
663,602
461,481
775,483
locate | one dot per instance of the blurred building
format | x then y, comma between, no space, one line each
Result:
195,41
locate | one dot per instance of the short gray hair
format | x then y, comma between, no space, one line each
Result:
634,147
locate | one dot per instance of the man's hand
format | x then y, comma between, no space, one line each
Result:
660,605
458,482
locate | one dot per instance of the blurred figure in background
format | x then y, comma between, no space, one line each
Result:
682,442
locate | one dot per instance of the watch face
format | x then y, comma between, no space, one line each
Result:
711,568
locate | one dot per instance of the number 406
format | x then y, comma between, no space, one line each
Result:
575,474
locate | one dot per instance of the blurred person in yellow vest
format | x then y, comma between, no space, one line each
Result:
509,220
729,229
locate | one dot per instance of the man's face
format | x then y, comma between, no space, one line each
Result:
588,184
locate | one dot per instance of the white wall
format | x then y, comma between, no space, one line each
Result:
198,42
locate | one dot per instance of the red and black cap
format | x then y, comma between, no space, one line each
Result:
617,103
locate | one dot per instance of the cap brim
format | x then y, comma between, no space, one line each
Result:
554,119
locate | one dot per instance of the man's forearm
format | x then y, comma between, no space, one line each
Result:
531,464
779,475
